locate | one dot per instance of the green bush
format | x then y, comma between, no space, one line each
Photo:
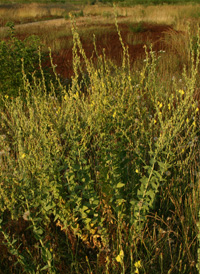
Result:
15,56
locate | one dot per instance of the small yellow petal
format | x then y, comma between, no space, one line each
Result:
181,91
138,264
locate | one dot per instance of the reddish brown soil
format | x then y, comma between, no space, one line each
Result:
149,34
133,36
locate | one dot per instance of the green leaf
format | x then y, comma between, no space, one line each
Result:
38,231
48,207
48,254
120,185
84,208
45,267
88,220
144,180
120,201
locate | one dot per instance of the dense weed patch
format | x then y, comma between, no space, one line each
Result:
105,178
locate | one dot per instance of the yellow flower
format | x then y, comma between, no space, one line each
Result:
6,96
58,110
120,257
169,106
187,120
114,114
194,124
197,109
23,156
92,103
160,105
138,264
137,171
181,91
155,121
76,95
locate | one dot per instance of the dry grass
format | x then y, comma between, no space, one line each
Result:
21,13
175,15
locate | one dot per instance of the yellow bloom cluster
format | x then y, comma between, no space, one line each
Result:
181,91
137,266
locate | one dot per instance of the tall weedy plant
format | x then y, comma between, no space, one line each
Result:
83,173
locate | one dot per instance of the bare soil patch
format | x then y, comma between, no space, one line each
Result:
150,34
134,35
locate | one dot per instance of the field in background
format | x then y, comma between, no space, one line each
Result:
162,26
99,139
22,13
169,14
108,2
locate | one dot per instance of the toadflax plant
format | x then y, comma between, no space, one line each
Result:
90,178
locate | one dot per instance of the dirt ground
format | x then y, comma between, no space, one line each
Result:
134,35
149,34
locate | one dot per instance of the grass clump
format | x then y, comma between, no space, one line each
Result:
136,28
105,178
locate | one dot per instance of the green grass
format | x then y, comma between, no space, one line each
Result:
101,177
136,28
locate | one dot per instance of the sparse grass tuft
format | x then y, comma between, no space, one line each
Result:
136,28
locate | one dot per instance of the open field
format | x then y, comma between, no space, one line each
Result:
100,139
160,25
169,14
22,13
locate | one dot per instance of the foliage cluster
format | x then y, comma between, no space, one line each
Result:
18,55
103,179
